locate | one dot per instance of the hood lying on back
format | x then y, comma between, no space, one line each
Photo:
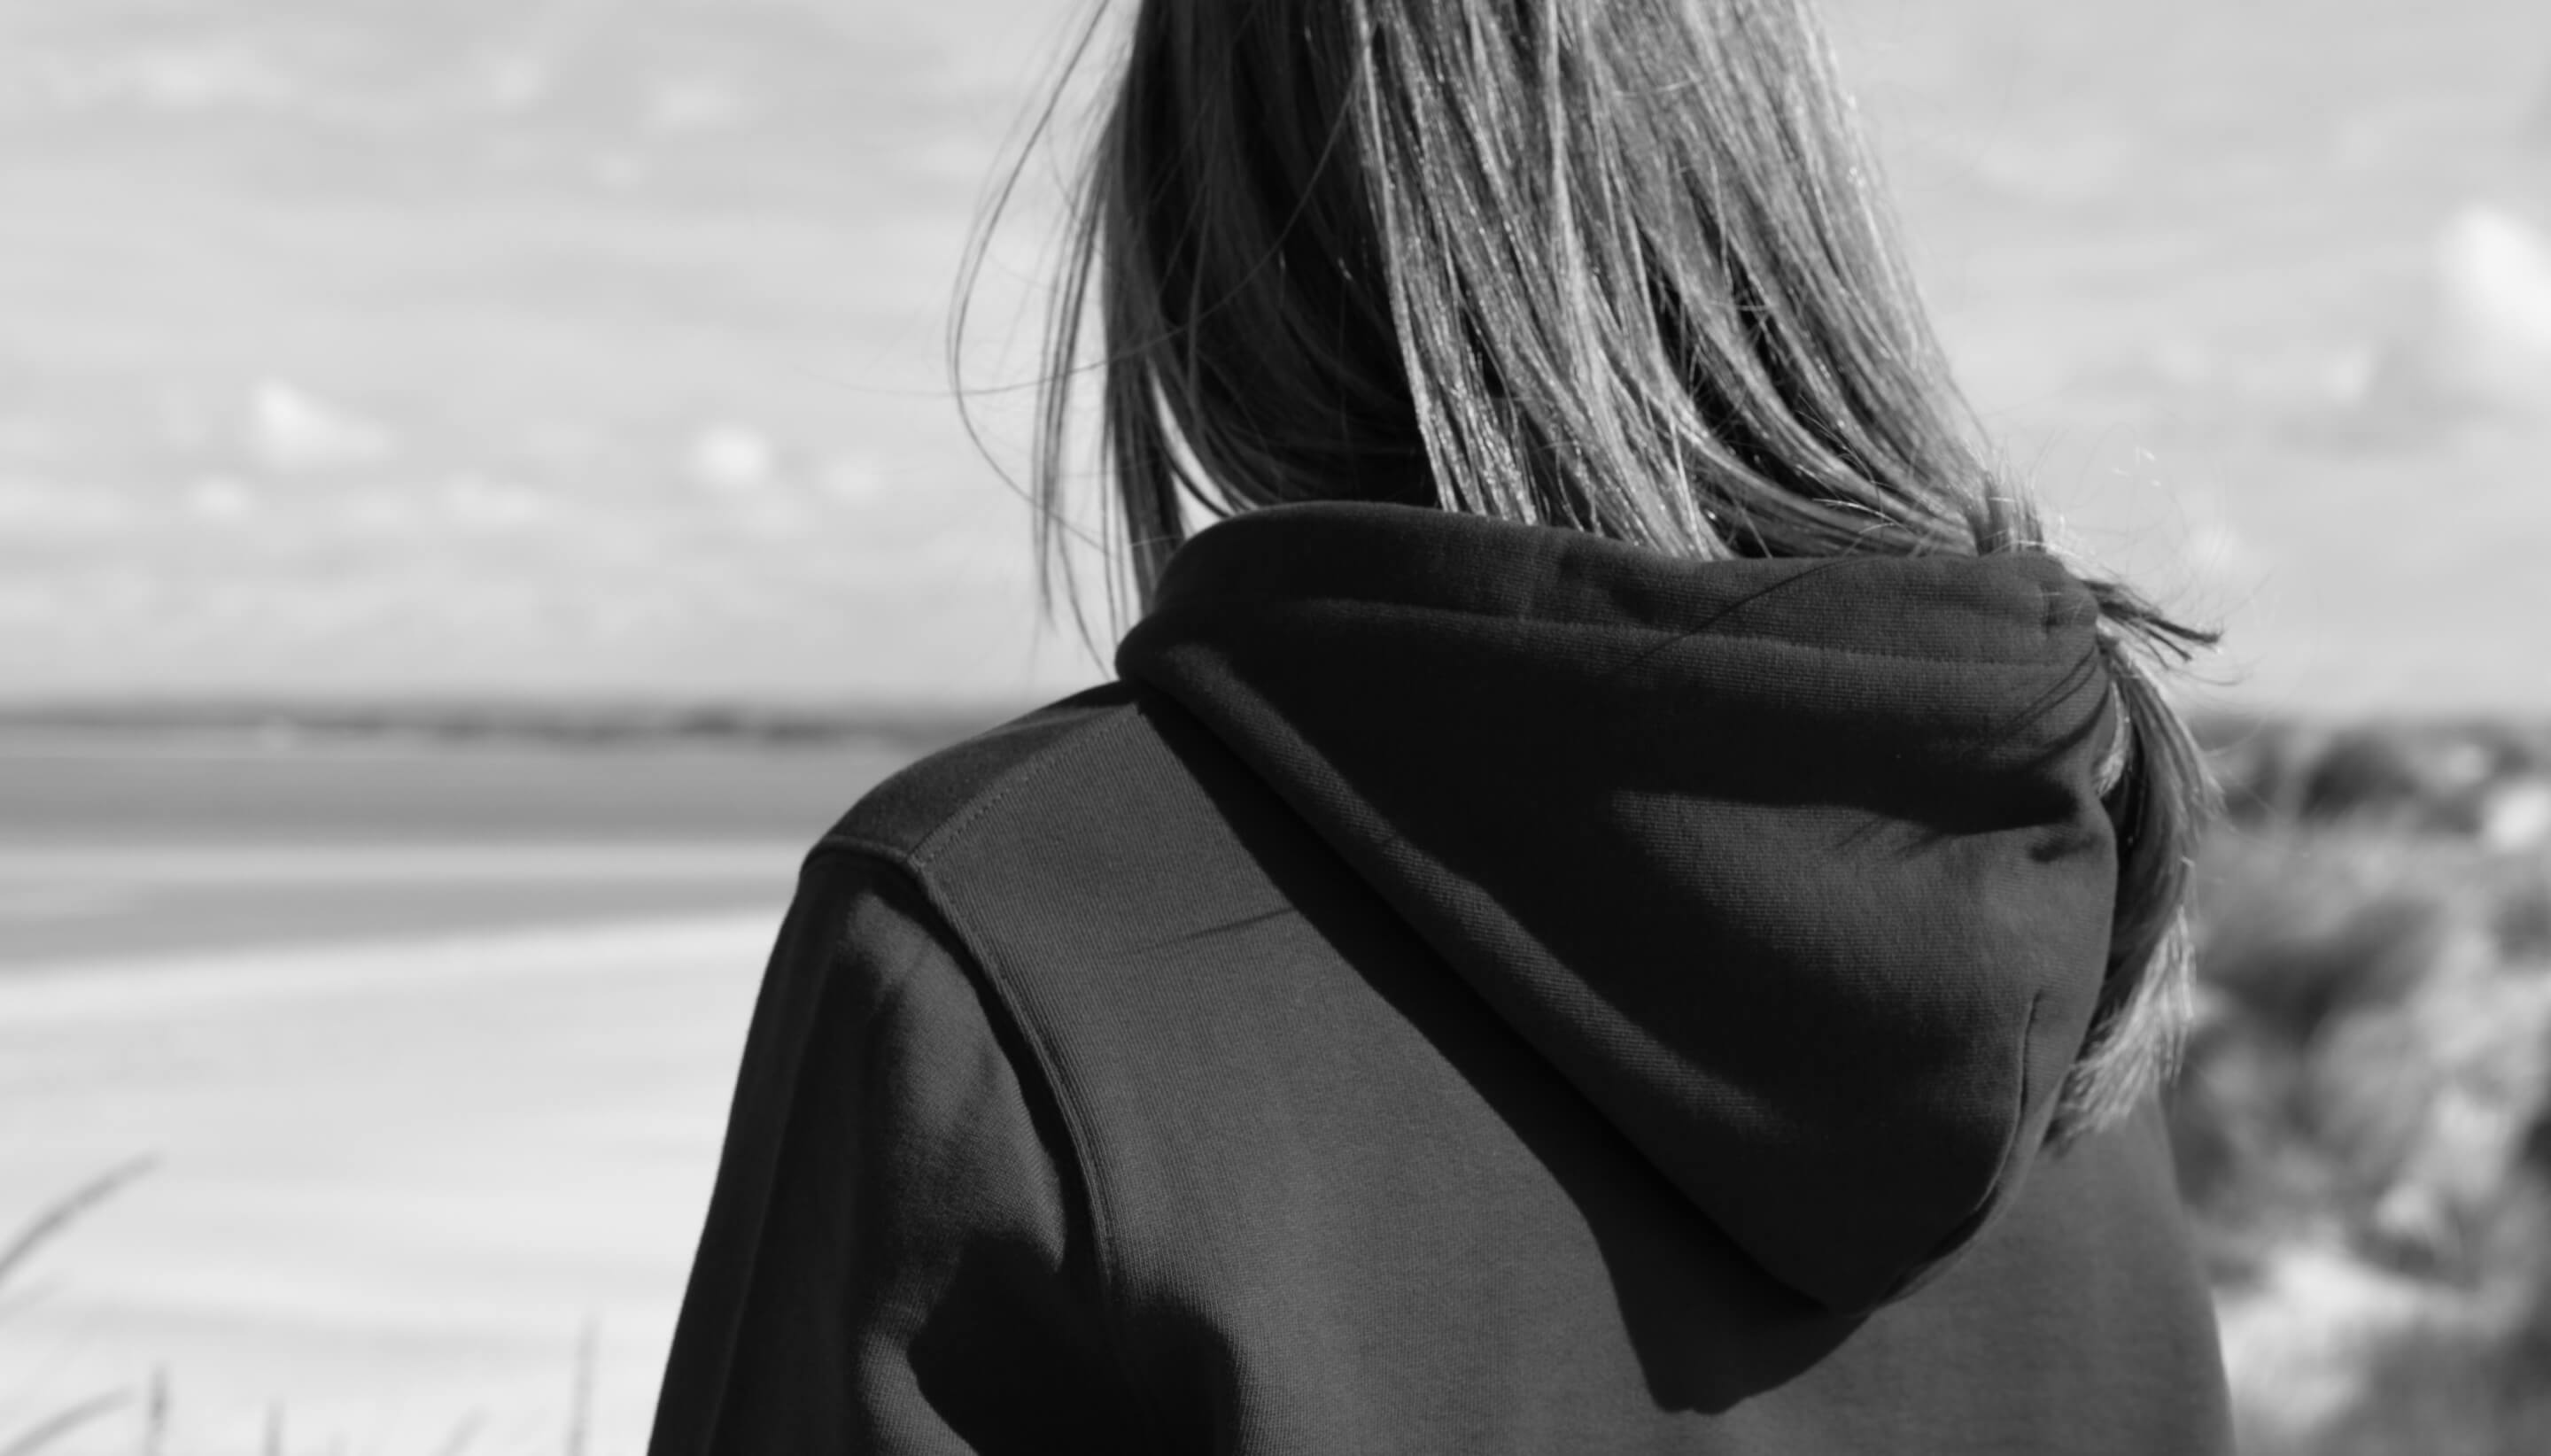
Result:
1795,868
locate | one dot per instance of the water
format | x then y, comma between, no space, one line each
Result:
118,847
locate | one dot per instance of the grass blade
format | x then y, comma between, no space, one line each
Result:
579,1419
462,1434
62,1214
53,1428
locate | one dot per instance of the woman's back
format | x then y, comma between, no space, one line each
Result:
1623,903
1216,1063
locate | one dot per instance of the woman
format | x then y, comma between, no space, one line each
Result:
1622,902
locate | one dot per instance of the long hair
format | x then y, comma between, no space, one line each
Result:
1618,266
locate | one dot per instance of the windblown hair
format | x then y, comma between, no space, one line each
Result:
1619,266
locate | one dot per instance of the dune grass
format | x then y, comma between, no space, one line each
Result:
150,1400
2370,1082
48,1225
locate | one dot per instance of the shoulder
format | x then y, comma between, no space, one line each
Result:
1084,857
1079,833
887,1126
919,813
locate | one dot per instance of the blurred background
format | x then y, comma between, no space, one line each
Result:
480,489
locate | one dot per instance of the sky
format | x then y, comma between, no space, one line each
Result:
354,350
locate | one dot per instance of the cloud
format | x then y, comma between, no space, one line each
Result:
32,505
474,502
729,459
221,498
2483,341
289,429
850,480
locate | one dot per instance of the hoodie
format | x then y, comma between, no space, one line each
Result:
1467,988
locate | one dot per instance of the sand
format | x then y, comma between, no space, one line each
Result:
394,1180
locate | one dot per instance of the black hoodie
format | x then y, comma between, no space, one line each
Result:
1468,989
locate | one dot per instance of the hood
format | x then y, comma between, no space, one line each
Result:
1794,868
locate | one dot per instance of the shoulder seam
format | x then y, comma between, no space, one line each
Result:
976,806
1076,1123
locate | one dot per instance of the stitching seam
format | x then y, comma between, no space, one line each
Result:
937,841
1076,1122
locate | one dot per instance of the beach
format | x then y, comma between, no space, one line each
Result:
426,1116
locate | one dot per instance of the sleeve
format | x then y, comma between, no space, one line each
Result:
892,1261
